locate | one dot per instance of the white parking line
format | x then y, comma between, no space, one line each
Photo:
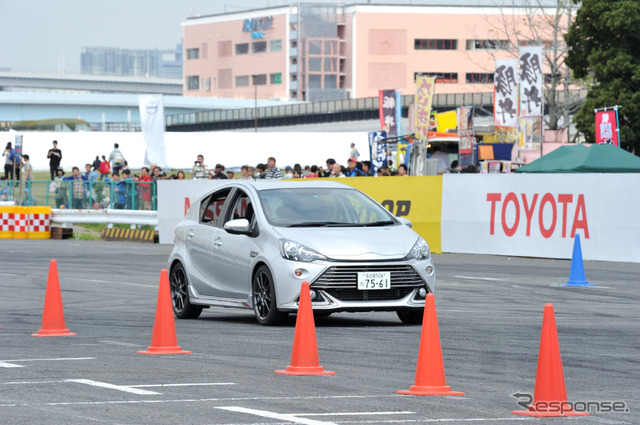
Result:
118,282
111,386
12,363
9,365
182,385
443,420
273,415
353,414
492,279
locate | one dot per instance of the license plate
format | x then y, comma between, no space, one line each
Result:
374,280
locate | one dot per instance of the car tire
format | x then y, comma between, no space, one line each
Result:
264,298
410,317
182,307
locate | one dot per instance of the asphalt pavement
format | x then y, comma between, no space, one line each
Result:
489,309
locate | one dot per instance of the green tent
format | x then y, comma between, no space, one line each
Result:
584,159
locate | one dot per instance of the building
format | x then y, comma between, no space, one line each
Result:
319,51
131,63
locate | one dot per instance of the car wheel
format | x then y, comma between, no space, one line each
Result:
410,317
182,307
264,298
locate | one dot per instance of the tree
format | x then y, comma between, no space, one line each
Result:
543,22
604,47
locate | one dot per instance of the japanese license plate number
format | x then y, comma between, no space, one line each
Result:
374,280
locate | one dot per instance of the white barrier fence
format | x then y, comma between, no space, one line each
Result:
107,216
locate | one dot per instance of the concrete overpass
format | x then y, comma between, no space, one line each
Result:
22,81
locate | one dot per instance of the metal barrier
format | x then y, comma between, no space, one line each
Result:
76,194
106,216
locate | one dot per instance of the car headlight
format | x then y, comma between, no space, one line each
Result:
420,250
296,252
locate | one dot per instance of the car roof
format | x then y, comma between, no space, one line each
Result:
259,185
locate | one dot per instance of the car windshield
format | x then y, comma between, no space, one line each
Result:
322,207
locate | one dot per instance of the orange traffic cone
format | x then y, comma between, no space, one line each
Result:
53,315
304,356
164,339
550,395
430,371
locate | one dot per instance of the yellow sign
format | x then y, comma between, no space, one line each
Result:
425,88
419,199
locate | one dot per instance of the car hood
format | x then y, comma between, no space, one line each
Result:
354,243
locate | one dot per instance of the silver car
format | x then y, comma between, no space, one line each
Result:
251,245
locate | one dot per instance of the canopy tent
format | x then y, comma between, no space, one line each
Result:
584,159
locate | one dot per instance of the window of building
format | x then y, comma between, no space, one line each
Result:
315,64
441,77
329,64
330,47
315,81
242,49
487,44
193,53
260,80
207,83
275,78
275,45
294,61
548,44
258,47
242,81
330,81
548,78
193,82
315,47
479,78
433,44
293,77
294,44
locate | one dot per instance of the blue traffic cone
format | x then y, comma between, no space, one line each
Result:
576,276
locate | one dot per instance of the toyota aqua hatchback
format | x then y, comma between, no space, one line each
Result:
251,245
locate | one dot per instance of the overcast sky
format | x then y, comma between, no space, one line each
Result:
46,35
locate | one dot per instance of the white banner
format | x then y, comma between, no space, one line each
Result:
505,99
152,123
539,215
531,79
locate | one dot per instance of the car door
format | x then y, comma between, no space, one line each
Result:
201,240
234,252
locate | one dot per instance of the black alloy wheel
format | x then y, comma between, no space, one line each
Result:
264,298
182,307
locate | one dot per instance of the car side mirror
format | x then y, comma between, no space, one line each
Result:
238,226
405,221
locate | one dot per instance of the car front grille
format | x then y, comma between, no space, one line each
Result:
341,282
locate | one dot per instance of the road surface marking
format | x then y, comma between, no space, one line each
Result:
12,363
273,415
492,279
111,386
181,385
9,365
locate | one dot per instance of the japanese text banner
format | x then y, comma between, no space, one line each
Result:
531,78
425,88
387,108
505,99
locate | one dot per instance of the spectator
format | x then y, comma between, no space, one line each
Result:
128,186
336,171
260,171
402,170
272,171
390,166
180,175
104,168
288,172
327,173
243,171
156,171
354,152
125,167
14,156
144,189
119,192
88,174
352,170
199,168
27,169
443,159
61,189
54,155
28,199
218,172
78,191
296,174
231,174
96,164
313,172
161,176
366,168
116,159
8,162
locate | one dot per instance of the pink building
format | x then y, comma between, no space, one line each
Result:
321,51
